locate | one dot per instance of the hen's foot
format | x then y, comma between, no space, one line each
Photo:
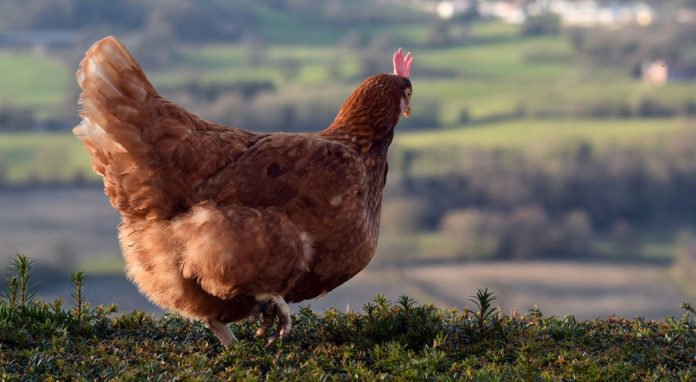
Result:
269,309
221,331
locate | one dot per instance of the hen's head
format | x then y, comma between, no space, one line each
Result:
380,100
402,68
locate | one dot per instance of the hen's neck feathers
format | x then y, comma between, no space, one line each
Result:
367,119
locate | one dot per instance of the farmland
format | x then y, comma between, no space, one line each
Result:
60,157
533,134
495,74
495,107
43,158
28,81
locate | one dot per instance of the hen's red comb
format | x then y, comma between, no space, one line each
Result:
402,65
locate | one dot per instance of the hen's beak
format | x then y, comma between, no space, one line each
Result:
407,113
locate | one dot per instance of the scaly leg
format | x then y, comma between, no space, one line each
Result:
221,331
274,306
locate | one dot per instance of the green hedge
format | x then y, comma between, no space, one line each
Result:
401,341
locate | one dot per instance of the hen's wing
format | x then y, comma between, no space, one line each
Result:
151,153
280,197
290,171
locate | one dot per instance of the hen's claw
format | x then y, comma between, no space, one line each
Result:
269,310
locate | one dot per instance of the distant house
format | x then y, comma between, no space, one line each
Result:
507,11
445,8
592,13
655,72
577,12
571,12
38,40
686,16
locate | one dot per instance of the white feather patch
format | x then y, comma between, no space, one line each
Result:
307,248
336,200
264,297
95,70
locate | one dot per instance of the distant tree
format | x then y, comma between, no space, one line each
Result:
333,68
355,39
72,14
255,50
464,116
546,24
439,33
529,229
153,46
625,239
577,234
207,21
372,58
425,114
685,262
3,173
16,118
289,67
404,215
649,107
475,234
629,47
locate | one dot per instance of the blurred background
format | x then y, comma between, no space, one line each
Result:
550,156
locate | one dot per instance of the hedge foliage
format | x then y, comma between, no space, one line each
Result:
392,341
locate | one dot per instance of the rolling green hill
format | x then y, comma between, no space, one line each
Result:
43,158
495,73
32,81
60,157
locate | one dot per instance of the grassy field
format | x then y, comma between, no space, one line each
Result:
486,79
33,81
533,133
43,157
496,73
51,157
496,90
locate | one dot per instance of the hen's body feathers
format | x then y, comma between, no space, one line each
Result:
215,218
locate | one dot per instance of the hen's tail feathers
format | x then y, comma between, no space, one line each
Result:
114,89
115,113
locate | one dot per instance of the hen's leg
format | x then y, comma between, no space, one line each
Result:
269,309
221,331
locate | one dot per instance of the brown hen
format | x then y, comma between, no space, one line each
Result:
221,223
